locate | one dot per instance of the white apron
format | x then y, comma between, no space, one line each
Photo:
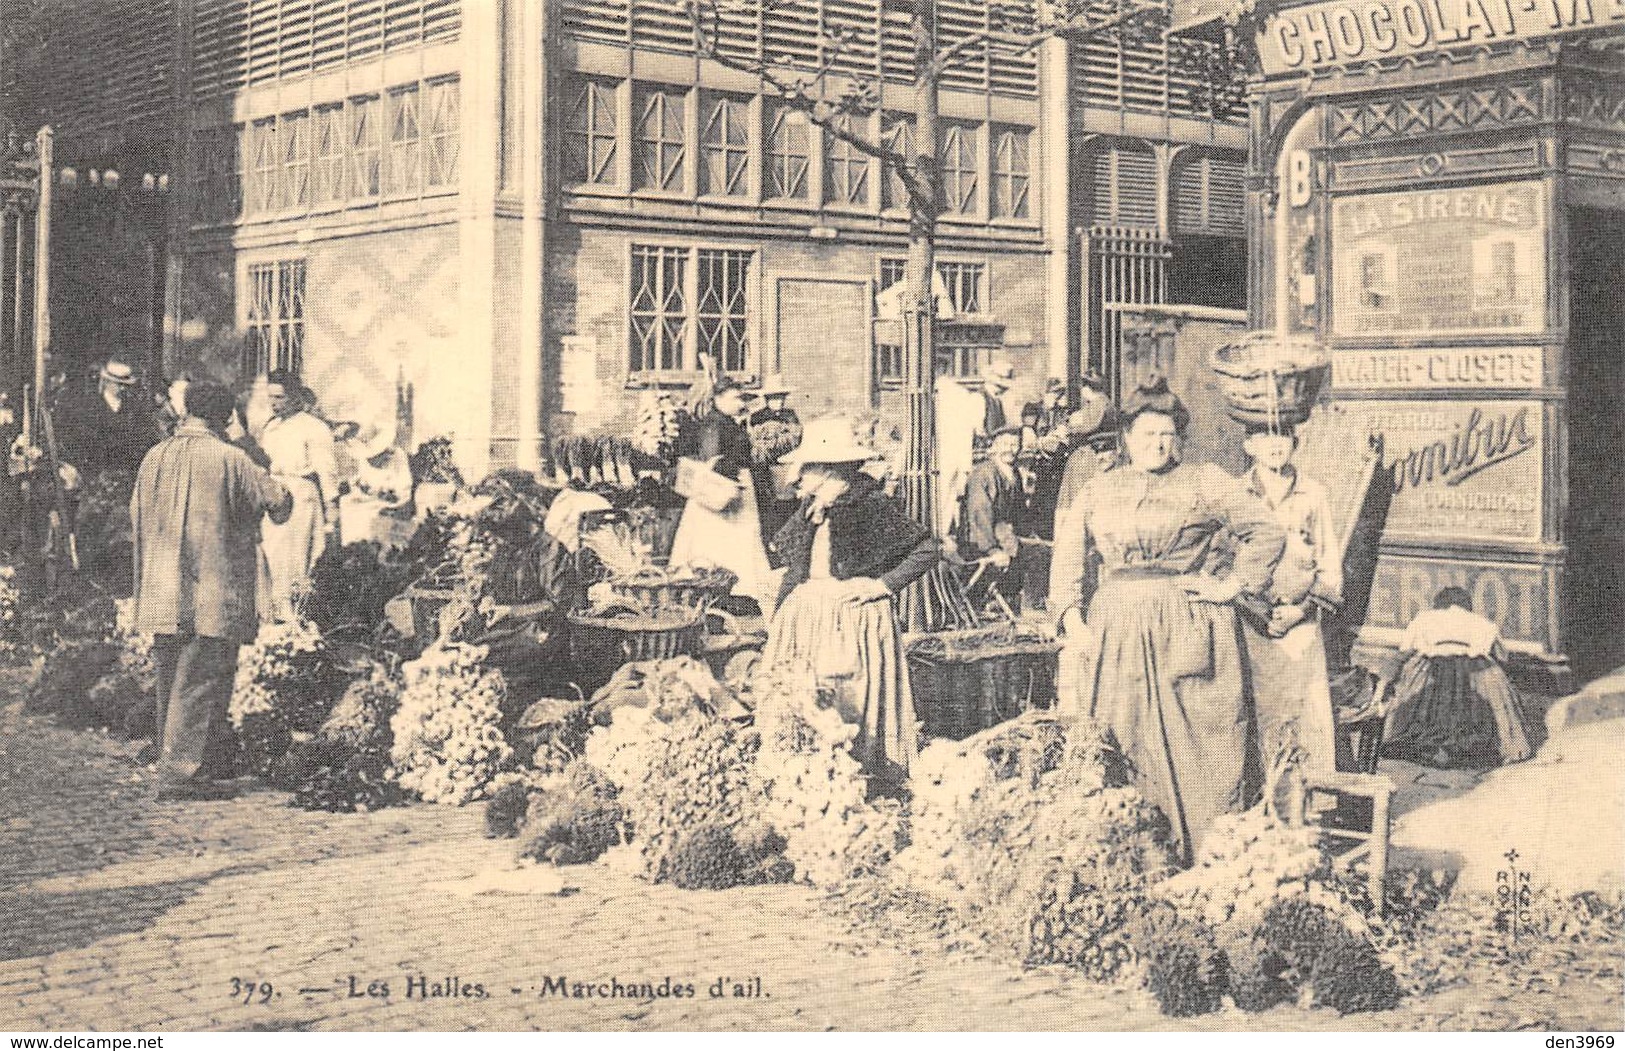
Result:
731,539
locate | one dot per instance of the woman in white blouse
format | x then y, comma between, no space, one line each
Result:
301,451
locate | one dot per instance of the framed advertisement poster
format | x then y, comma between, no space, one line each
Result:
1462,470
1470,260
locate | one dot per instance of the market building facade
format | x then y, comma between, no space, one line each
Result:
546,208
1437,196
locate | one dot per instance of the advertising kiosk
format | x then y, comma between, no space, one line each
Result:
1437,195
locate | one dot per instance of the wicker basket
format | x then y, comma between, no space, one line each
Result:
956,697
429,600
613,641
1269,378
673,594
959,643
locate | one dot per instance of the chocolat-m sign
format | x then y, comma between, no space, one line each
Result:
1343,32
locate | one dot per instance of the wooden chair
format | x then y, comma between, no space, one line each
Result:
1318,800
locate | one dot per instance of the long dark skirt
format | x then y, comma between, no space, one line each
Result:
1168,678
1456,712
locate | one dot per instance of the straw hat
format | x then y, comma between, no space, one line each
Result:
118,372
828,441
773,385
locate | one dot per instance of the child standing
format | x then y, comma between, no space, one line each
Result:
1284,647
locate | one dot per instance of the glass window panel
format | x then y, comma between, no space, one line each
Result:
366,158
725,147
659,307
721,315
1012,174
445,123
295,136
660,143
590,134
789,153
898,136
960,188
846,176
267,163
327,163
402,172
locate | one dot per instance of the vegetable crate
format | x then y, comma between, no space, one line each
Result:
960,692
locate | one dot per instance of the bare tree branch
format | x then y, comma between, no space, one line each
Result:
1015,43
804,90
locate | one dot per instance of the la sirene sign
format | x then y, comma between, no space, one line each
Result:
1341,32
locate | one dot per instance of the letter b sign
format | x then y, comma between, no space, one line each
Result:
1299,183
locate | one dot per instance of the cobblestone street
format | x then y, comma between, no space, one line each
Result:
119,913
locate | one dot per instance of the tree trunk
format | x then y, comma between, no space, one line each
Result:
935,601
919,340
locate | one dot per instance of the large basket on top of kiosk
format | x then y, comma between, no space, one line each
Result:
1271,378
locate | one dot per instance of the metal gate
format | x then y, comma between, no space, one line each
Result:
1128,266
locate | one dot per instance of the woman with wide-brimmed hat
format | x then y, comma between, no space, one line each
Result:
846,552
1156,641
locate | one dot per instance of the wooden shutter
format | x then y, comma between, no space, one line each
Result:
1209,195
1123,186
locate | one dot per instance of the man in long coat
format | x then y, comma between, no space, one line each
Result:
196,510
104,433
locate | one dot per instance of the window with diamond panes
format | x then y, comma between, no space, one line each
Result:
262,195
725,145
1012,173
720,317
402,174
294,133
897,132
590,133
276,316
964,284
366,147
660,143
686,302
659,307
327,155
962,281
440,147
846,168
960,169
789,153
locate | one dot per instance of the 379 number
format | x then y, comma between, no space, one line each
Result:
250,991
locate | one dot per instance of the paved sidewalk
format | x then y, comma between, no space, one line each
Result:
120,913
